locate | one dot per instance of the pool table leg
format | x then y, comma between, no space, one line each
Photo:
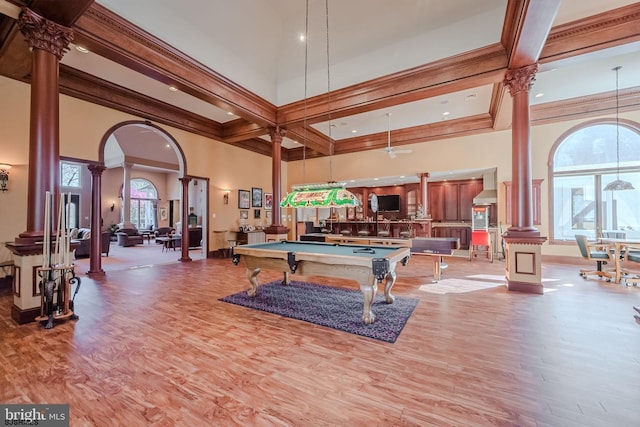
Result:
390,281
369,291
252,275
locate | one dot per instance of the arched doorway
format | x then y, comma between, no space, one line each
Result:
138,152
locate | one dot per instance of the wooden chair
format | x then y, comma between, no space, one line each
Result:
632,264
346,230
384,228
363,229
406,229
599,252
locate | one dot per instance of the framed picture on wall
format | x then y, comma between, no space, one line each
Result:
256,213
268,200
256,197
163,214
244,214
244,199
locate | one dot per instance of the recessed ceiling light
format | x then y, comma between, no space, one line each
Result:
82,49
446,113
229,113
173,88
354,131
539,95
301,37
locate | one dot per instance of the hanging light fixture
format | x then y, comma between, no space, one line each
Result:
618,184
332,194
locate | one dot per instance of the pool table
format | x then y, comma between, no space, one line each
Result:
365,264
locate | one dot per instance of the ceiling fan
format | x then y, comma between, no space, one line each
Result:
389,149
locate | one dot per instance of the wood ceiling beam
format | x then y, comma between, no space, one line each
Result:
585,106
311,138
468,70
418,134
92,89
609,29
531,23
114,38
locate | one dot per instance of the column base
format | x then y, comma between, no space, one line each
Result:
523,256
22,316
94,273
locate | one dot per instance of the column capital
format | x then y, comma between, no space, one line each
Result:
520,79
277,133
96,169
40,33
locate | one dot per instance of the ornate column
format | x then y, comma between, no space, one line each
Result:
276,231
126,195
95,259
523,242
184,243
48,42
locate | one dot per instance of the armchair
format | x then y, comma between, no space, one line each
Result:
129,237
162,231
599,252
84,245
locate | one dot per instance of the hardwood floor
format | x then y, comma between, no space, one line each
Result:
154,346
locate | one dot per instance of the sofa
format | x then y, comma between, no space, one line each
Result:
129,237
82,239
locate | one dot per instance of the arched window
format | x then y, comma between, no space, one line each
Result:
583,163
144,200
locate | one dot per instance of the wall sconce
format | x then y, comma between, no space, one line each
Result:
113,205
4,176
225,198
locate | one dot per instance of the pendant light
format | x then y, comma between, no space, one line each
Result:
618,184
332,194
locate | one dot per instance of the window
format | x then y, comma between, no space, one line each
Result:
144,199
70,175
583,163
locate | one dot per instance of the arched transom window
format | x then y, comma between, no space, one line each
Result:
583,163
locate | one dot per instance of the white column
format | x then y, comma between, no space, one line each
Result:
126,195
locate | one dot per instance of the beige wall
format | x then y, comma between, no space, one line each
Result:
229,169
82,126
472,152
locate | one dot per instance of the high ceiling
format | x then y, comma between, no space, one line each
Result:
435,65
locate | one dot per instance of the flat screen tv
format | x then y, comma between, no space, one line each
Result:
389,202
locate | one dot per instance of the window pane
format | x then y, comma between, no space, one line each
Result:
69,175
595,147
574,207
620,208
133,214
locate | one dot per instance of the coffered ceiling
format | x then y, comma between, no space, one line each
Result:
435,65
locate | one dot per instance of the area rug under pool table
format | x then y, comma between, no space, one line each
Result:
333,307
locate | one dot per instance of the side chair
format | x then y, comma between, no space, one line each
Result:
632,264
598,252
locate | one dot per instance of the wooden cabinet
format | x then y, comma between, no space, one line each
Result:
467,191
452,201
536,195
436,201
462,233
